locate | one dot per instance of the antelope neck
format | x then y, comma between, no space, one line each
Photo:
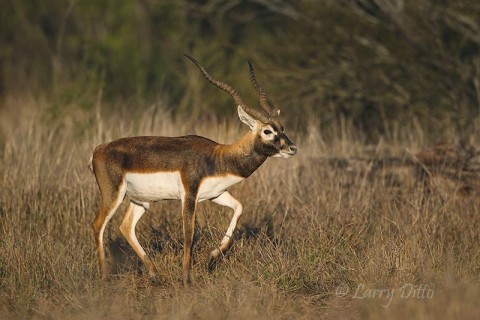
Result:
240,158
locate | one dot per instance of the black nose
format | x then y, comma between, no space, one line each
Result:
293,149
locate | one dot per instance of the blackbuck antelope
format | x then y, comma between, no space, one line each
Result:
190,169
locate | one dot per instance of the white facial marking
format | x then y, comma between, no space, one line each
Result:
147,187
284,155
268,133
211,187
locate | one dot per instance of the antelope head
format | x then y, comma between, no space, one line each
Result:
269,138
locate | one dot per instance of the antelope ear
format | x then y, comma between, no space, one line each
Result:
247,119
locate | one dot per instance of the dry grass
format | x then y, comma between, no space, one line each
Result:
306,231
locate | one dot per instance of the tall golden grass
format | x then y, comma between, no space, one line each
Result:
314,241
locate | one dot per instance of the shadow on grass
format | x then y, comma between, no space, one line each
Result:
166,239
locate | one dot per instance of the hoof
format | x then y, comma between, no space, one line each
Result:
214,260
155,280
212,263
187,283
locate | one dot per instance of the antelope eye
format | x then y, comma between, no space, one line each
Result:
267,132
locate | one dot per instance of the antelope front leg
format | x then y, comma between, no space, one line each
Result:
226,199
188,214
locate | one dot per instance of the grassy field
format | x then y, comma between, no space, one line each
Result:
314,241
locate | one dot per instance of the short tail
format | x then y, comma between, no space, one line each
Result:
90,165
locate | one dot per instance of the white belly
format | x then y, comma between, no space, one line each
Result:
212,187
150,187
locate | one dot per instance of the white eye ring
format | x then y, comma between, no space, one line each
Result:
267,132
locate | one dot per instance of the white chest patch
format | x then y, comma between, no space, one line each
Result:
212,187
148,187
